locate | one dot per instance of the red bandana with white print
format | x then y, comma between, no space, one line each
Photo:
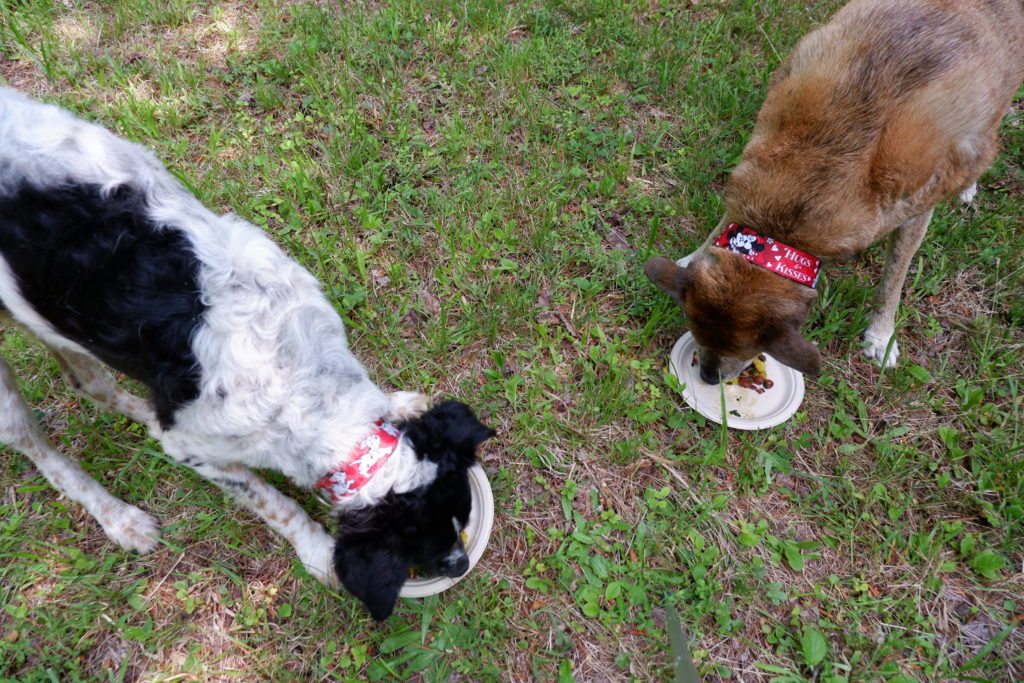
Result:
365,459
770,254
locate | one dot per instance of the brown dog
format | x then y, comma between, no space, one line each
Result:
872,120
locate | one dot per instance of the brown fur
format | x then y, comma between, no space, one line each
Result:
871,121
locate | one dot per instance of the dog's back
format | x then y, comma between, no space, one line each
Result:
884,111
45,145
83,212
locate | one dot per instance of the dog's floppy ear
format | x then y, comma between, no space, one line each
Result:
447,429
369,562
790,348
668,276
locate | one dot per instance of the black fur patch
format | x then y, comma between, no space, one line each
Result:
447,434
109,279
377,546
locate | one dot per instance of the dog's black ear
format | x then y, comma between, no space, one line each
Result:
668,276
790,348
369,562
450,427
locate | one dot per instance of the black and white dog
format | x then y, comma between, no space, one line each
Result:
105,257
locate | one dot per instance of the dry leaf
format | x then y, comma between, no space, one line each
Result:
544,298
615,239
431,302
410,323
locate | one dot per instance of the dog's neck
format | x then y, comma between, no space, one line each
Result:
381,462
368,456
770,254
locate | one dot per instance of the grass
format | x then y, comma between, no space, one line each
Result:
477,184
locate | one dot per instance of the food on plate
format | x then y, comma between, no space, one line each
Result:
754,376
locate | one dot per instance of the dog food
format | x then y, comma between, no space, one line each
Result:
753,376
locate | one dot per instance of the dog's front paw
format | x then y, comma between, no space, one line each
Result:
132,529
317,557
406,405
877,348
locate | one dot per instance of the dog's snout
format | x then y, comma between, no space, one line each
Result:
455,565
709,376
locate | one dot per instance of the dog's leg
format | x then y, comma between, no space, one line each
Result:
967,196
90,379
405,405
903,245
686,260
125,524
312,544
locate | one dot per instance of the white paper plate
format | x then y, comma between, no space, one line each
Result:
478,531
745,408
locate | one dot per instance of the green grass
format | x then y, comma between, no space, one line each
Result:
477,185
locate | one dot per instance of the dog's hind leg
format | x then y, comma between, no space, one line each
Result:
879,344
125,524
90,379
312,544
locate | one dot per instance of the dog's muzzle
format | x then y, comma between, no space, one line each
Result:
708,376
454,564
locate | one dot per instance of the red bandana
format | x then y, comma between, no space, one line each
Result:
366,458
798,266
